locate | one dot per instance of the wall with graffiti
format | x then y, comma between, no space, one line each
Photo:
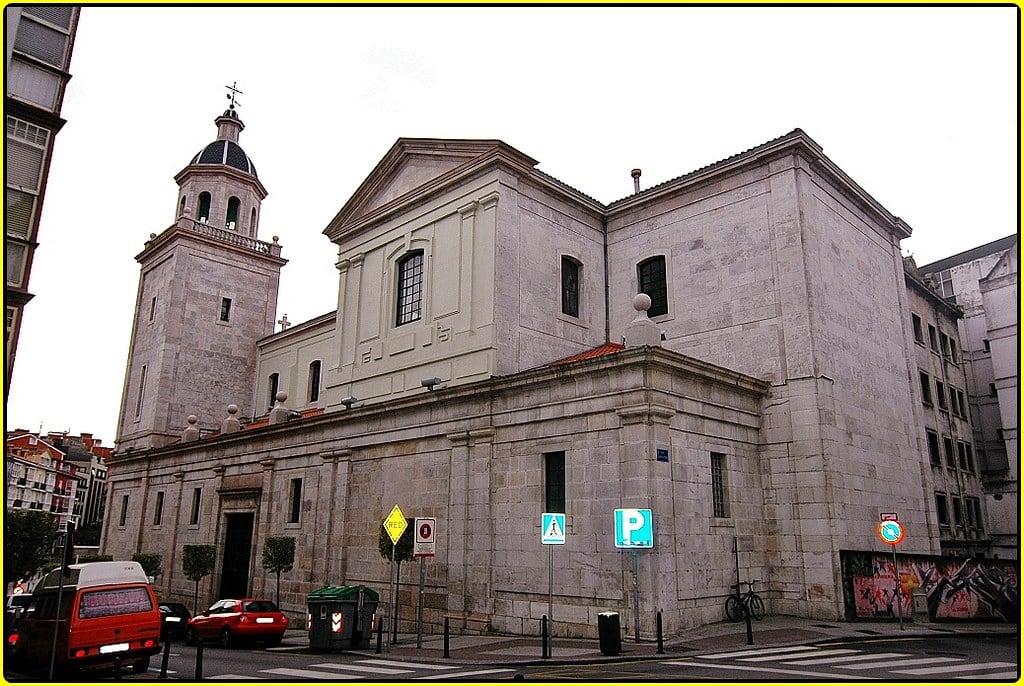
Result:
954,588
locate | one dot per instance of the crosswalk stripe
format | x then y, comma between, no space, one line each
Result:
374,669
748,668
463,675
808,653
310,674
762,651
946,669
837,661
410,665
989,675
233,677
907,663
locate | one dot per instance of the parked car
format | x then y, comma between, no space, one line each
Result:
173,621
230,621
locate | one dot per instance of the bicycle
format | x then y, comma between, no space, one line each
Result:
736,604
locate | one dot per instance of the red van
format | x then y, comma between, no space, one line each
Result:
107,610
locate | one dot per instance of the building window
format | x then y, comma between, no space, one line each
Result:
958,512
204,207
940,394
933,448
953,356
719,500
926,388
142,391
124,511
158,510
294,500
554,482
961,402
968,458
940,509
197,496
992,390
945,278
651,279
152,308
918,331
231,220
933,340
314,381
225,309
570,287
975,505
410,288
947,445
272,384
986,345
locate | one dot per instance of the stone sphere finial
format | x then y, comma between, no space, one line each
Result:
641,302
192,419
281,396
232,409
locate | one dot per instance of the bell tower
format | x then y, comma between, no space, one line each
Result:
207,292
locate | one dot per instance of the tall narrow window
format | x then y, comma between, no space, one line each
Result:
950,450
158,510
941,511
314,381
225,309
272,384
181,206
294,500
197,496
142,391
152,308
918,331
554,481
940,394
124,511
231,220
933,448
719,495
926,388
410,288
958,512
570,287
651,279
933,339
204,207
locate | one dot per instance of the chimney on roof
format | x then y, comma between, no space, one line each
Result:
636,180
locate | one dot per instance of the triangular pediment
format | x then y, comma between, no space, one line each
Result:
1007,264
417,165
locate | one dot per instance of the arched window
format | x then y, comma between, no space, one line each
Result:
181,206
410,288
570,286
204,207
252,222
232,217
272,385
651,279
314,381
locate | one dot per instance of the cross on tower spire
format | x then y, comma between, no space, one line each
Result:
233,93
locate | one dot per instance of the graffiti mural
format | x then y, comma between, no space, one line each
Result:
955,589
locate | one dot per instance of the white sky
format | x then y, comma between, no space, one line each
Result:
918,105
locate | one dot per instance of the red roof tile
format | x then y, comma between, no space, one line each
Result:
600,351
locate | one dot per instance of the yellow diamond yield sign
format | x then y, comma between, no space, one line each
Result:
395,524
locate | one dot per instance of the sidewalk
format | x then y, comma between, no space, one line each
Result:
773,630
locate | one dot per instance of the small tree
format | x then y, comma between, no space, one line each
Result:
197,561
29,536
151,563
278,556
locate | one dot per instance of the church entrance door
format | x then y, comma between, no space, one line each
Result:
234,579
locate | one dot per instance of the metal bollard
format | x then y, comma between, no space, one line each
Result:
446,640
166,657
380,634
661,638
544,637
746,616
199,659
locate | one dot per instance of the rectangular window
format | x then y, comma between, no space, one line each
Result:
940,395
142,390
918,331
958,512
651,278
944,344
992,389
124,511
20,211
947,445
570,287
197,496
933,340
225,309
986,345
554,482
976,506
961,402
273,381
961,449
152,308
410,288
953,356
42,42
719,499
294,500
158,510
926,388
314,381
933,448
940,509
14,262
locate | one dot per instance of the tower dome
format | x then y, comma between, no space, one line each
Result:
226,150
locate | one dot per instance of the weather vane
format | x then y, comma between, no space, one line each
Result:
232,94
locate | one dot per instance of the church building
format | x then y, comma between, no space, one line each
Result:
490,360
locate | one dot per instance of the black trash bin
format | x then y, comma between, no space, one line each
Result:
341,617
608,633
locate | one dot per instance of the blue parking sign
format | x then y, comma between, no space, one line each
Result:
634,528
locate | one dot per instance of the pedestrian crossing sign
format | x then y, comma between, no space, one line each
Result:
552,528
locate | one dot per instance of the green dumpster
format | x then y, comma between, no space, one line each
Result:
341,617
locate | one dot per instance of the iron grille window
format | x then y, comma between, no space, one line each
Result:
554,481
570,287
651,278
720,504
410,288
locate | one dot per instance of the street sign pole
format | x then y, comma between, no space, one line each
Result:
393,629
896,574
419,610
636,596
551,591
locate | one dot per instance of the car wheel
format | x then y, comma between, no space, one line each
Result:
141,667
190,636
225,638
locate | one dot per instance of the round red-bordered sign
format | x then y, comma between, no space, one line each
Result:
891,532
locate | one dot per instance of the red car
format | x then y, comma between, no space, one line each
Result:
231,621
